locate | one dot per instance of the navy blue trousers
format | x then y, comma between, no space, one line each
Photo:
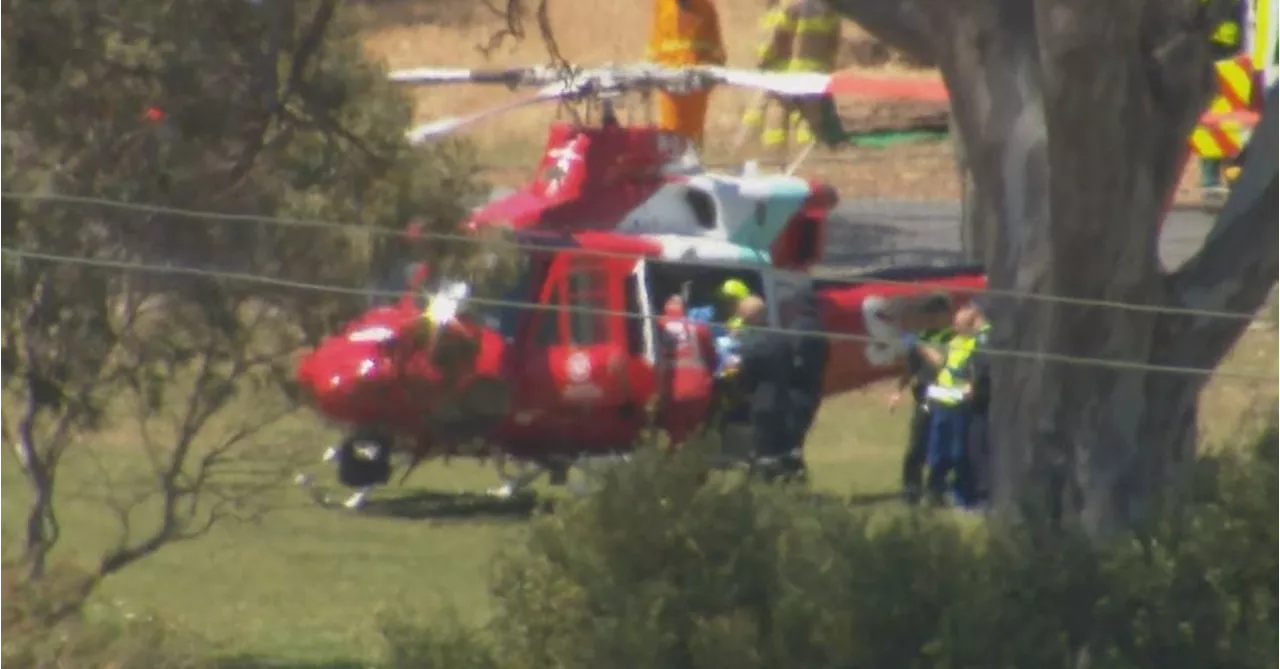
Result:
949,452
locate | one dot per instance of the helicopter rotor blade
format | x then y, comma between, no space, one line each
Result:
452,75
786,84
436,129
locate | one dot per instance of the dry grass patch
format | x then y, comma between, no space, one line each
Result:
407,33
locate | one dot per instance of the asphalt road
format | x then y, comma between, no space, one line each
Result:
871,234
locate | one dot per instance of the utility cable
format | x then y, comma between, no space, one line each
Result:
533,246
1120,365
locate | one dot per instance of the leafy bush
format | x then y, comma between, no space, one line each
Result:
659,569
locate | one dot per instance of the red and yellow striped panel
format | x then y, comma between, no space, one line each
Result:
1218,135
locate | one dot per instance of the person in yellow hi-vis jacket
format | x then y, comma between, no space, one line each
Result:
685,32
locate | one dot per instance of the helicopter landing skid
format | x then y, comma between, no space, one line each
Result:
517,477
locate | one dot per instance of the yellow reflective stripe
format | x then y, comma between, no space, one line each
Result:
1220,105
754,116
818,24
1204,144
807,65
1235,77
687,45
774,18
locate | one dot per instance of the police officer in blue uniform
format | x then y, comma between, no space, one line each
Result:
930,321
980,457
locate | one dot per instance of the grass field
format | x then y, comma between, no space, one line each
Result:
305,584
404,33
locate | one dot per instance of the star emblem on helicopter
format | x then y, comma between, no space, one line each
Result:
565,158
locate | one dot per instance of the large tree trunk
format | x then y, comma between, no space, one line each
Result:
1074,116
974,234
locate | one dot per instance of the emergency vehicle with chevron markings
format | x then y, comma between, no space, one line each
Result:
638,179
560,366
1241,81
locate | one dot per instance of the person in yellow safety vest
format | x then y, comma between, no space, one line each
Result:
1225,40
949,398
685,32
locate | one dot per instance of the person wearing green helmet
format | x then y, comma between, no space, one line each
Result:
722,318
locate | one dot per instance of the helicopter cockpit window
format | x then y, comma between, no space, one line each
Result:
495,304
389,286
703,208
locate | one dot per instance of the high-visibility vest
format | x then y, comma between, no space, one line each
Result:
954,373
690,376
937,336
685,32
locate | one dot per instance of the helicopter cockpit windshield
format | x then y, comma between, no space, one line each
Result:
494,302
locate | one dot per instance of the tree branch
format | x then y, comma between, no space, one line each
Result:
308,46
1236,268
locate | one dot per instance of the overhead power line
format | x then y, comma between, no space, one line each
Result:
1120,365
531,246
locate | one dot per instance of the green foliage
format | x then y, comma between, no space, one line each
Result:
243,108
270,109
39,635
448,645
662,569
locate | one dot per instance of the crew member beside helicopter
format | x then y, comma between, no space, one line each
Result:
689,360
723,320
765,378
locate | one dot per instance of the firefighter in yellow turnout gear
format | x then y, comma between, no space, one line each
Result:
797,36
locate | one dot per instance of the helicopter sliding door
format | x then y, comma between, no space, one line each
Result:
574,365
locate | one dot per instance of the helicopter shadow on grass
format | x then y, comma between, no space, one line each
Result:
452,506
252,662
444,506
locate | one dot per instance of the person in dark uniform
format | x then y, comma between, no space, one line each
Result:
930,320
980,458
766,364
811,350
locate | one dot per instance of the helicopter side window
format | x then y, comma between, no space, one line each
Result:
548,333
703,208
589,301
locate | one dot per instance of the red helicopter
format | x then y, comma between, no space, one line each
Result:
555,369
637,179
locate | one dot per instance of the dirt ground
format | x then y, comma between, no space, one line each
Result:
405,33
